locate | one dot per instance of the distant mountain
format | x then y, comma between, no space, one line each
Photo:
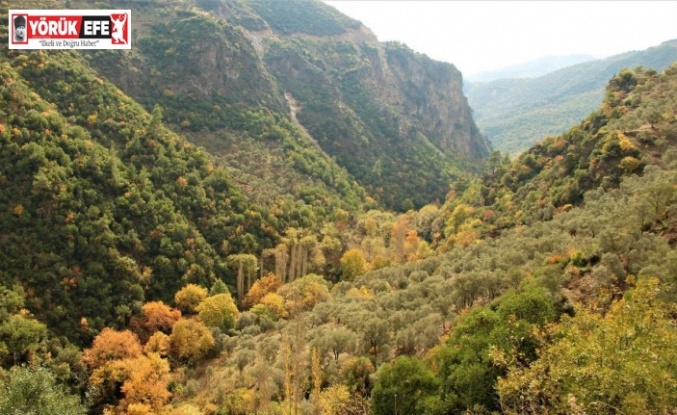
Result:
516,113
530,69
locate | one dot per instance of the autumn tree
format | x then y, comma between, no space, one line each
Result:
190,340
157,316
187,298
263,286
147,382
121,375
272,305
112,345
398,235
335,400
281,254
218,311
293,346
303,293
353,264
157,343
316,369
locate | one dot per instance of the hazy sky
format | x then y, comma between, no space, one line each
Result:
483,35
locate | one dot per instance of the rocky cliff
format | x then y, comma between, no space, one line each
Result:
395,119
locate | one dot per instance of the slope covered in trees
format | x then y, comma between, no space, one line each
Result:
103,206
136,277
516,113
395,120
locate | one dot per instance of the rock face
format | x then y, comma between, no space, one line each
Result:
434,98
194,58
395,119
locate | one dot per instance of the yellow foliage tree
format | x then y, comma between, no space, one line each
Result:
190,340
622,362
353,264
189,297
158,343
303,293
274,303
335,400
218,311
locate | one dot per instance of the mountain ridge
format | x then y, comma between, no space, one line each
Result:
359,109
530,69
515,113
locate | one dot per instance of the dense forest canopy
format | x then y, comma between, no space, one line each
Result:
231,265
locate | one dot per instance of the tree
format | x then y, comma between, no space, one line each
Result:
190,340
357,373
274,304
20,338
397,237
263,286
340,340
157,316
219,287
33,390
188,297
404,387
157,343
353,264
112,345
218,311
620,362
302,294
375,334
335,400
293,345
147,382
281,253
316,367
246,265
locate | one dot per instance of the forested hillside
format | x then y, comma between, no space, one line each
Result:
143,274
396,120
516,113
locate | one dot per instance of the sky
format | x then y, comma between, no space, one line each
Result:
478,36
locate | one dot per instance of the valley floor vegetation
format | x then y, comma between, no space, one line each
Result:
138,277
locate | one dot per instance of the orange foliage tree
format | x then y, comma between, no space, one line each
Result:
268,284
157,316
122,376
112,345
147,382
